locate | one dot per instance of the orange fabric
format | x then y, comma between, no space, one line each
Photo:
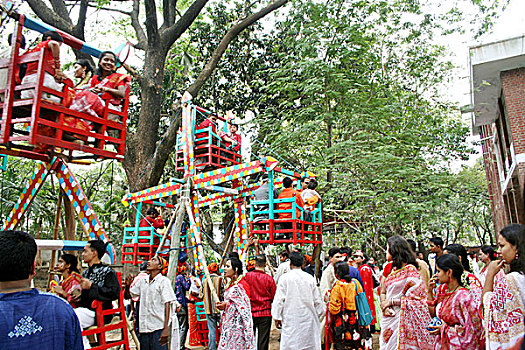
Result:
343,296
290,193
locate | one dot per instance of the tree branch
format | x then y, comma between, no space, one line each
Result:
152,29
111,9
230,35
171,34
49,16
60,8
78,30
141,36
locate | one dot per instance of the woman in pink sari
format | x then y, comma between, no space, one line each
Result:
461,327
504,299
236,319
106,83
404,302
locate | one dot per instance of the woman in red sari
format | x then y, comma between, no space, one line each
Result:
461,327
70,283
106,83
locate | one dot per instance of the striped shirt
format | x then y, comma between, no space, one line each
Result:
209,305
262,292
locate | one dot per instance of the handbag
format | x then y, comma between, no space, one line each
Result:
363,309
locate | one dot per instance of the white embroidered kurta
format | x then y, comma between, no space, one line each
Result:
298,305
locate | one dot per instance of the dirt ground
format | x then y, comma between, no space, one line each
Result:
274,340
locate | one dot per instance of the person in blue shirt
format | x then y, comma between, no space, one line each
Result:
30,319
182,286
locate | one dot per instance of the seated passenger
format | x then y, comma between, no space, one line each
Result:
69,287
262,194
105,83
6,54
152,219
304,183
99,282
289,192
210,121
83,72
232,140
51,42
310,198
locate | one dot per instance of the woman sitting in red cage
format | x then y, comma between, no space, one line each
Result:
106,83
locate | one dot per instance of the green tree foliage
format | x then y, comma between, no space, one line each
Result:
355,97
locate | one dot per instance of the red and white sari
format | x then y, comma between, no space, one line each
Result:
236,321
462,328
407,329
504,312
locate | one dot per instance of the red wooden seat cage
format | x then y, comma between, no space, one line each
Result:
100,328
284,226
31,126
209,150
141,243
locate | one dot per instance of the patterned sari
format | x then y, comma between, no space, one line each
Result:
406,329
504,312
88,102
462,328
471,283
71,283
236,321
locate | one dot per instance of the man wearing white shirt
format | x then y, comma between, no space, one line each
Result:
156,295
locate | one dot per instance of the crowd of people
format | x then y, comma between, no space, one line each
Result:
442,303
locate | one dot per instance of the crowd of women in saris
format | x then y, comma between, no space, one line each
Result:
455,310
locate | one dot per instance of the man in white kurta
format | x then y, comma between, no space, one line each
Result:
297,308
156,295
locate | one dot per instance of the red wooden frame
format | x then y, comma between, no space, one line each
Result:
23,120
102,328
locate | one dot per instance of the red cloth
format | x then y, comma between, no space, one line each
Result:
245,285
236,137
207,123
387,270
149,221
290,193
49,62
368,286
262,288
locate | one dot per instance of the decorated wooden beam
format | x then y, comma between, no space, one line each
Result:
222,190
29,193
82,206
152,193
58,244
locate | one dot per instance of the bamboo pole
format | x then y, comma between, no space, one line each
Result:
175,238
227,246
168,229
55,236
132,332
215,296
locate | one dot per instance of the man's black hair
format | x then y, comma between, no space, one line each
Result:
412,244
284,253
53,35
347,251
99,246
260,260
313,184
152,211
287,182
233,255
333,251
17,255
438,241
85,63
296,259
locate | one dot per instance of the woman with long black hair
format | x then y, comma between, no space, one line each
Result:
461,327
404,301
504,299
486,255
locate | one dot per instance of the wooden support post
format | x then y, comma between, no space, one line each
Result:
214,295
55,235
227,246
316,256
175,238
168,229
